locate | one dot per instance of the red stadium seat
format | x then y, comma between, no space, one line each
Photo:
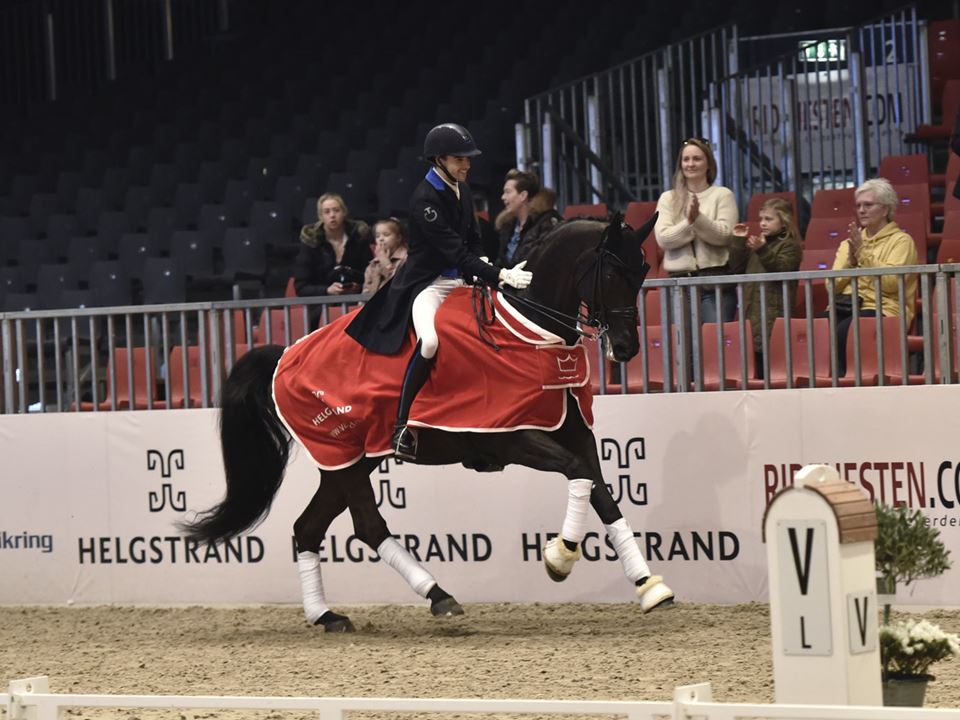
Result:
949,104
637,213
826,233
821,259
950,203
800,345
833,204
599,210
278,326
651,306
905,169
127,399
949,249
179,390
943,42
652,350
733,353
290,290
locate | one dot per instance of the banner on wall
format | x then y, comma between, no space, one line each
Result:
90,503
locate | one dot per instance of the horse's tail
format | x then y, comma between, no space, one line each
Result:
255,445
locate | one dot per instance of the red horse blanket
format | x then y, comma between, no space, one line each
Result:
340,401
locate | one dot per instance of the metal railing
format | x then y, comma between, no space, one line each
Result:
612,137
825,113
142,357
679,353
175,356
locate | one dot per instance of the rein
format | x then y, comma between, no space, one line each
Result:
598,311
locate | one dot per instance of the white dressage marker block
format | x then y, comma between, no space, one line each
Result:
823,598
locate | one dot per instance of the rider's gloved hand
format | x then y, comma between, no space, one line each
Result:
516,276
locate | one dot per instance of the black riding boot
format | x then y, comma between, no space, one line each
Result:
418,370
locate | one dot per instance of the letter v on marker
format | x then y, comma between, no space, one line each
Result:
803,569
862,618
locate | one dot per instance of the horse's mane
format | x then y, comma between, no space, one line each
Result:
561,233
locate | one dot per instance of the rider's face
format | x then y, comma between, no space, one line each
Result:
458,167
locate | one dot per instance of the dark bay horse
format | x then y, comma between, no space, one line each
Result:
582,264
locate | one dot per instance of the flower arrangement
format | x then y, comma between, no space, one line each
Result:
910,647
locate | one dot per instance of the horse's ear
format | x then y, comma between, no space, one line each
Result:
645,229
612,238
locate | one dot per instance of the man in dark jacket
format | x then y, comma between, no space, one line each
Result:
444,249
528,215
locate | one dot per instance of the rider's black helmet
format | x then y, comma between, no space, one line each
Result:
449,139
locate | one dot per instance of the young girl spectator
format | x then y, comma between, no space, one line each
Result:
389,254
776,249
696,218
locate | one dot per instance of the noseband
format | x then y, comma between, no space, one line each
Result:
600,312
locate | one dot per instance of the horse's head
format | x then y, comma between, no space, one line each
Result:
609,283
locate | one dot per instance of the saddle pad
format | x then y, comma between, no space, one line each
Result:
340,401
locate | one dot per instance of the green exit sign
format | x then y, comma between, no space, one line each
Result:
832,50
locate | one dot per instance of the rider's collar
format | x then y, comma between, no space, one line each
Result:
439,182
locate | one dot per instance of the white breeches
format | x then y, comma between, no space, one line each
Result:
425,307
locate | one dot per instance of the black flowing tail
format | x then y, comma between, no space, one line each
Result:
255,445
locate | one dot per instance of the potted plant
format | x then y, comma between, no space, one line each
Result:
907,650
907,549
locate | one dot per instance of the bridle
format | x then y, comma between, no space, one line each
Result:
599,311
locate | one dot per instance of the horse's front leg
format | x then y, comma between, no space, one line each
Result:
651,591
585,486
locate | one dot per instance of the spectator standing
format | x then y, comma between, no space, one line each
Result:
694,226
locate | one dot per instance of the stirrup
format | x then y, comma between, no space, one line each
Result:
404,443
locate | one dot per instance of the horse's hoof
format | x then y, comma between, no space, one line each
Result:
654,594
448,607
335,623
558,560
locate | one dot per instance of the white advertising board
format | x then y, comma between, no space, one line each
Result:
89,502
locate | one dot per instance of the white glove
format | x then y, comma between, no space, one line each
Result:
485,259
516,276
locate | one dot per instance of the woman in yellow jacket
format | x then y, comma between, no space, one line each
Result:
875,240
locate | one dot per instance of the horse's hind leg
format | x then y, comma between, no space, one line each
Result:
370,526
308,531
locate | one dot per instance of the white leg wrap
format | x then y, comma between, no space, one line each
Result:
404,563
621,537
578,504
311,586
